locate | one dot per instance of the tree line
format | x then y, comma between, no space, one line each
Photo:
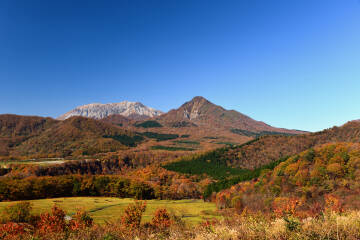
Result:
73,185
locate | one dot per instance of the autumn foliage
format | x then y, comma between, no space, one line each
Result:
323,178
162,219
52,222
131,218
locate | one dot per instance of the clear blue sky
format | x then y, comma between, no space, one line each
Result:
292,64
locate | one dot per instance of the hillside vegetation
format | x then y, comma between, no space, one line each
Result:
16,129
270,148
148,124
264,150
329,172
73,136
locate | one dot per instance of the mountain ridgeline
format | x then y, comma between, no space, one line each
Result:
101,128
132,110
201,112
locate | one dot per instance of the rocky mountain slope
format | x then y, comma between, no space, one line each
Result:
201,112
132,110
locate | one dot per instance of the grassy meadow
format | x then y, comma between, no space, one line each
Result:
43,162
108,209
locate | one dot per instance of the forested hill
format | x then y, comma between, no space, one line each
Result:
328,173
46,137
266,149
233,164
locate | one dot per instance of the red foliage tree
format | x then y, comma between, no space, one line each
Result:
133,214
162,219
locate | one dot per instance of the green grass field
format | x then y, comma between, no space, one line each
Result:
45,161
106,209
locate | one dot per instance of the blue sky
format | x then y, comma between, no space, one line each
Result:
292,64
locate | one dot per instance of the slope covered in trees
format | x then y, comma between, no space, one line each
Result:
15,129
267,149
271,148
312,178
234,164
46,137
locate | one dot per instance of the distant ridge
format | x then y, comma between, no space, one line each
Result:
39,136
132,110
201,111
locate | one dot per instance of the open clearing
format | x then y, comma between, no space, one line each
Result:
107,209
43,161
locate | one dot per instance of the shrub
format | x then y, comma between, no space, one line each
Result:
11,229
283,206
162,219
54,222
236,203
18,212
133,214
333,204
292,223
81,220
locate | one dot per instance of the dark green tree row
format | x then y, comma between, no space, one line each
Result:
258,134
72,185
212,163
169,148
160,136
246,175
130,141
148,124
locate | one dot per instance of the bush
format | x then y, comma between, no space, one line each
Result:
81,220
292,224
283,206
11,230
54,222
133,214
18,212
162,219
333,204
236,203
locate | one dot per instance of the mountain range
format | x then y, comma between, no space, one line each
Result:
98,128
132,110
196,112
